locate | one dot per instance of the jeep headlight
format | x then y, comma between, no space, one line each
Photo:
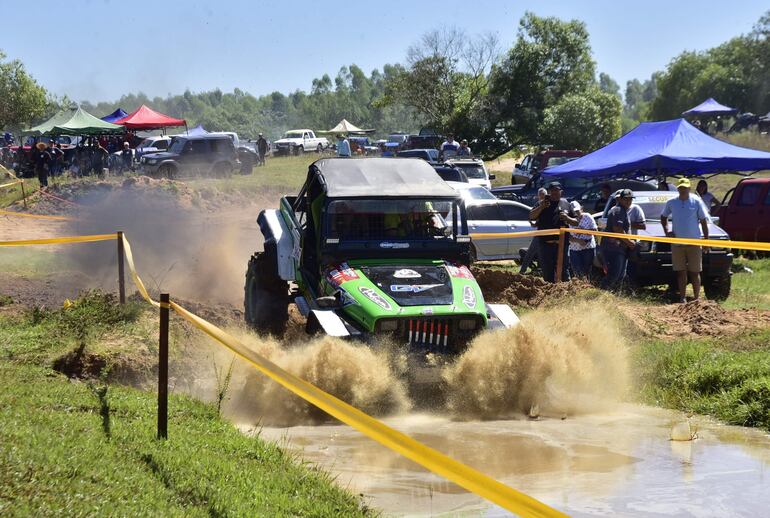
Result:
387,325
467,324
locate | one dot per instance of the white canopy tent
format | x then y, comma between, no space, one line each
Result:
346,128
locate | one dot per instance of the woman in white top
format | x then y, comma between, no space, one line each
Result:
582,247
709,200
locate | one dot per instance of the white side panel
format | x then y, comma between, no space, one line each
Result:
286,248
504,313
331,323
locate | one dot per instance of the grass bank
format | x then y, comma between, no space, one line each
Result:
728,378
79,446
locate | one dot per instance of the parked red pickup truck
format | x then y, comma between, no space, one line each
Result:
745,210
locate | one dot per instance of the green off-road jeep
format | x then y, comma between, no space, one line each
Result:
370,247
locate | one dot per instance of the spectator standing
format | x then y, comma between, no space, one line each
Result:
42,160
687,214
100,156
464,150
615,250
532,254
638,221
709,200
343,146
57,158
261,149
127,157
449,147
582,247
604,196
551,214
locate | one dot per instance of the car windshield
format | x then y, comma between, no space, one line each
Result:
177,145
450,174
380,220
147,143
559,160
473,171
476,193
293,134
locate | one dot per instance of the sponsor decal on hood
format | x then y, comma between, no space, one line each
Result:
406,273
341,274
459,271
469,297
375,297
413,288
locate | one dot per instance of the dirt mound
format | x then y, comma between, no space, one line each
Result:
695,318
522,290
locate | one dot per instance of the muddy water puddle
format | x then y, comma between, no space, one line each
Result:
619,464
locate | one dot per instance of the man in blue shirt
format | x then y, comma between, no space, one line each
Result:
343,146
689,221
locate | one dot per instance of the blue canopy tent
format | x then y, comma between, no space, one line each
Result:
710,107
665,148
114,116
197,131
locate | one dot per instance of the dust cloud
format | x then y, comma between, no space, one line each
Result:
556,362
183,243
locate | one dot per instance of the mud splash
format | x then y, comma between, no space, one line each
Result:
556,362
355,373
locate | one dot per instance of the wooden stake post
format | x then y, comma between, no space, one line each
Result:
560,257
121,270
163,368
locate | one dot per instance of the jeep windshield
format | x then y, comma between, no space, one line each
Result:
392,219
177,145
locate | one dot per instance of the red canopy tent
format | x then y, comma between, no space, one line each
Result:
145,118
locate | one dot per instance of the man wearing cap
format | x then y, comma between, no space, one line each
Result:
615,250
582,247
552,213
42,159
689,221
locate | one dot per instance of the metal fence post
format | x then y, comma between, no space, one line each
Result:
560,257
163,368
121,270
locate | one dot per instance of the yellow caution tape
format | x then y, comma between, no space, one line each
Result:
132,268
715,243
57,240
459,473
35,216
528,233
437,462
10,184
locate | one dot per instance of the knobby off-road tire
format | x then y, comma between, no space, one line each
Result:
266,297
167,171
717,288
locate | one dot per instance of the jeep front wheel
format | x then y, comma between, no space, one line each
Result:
167,171
266,297
717,288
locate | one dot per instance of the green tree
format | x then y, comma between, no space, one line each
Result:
23,100
550,59
736,73
608,85
585,121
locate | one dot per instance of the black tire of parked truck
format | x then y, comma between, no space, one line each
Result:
299,150
266,296
717,288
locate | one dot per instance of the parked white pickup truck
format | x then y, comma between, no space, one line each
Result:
296,142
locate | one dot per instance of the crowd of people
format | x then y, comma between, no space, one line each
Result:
687,214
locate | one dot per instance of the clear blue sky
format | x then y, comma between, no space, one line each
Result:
99,50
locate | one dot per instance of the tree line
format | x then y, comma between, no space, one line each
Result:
545,89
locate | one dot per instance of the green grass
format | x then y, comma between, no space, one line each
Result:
88,447
285,174
751,290
726,378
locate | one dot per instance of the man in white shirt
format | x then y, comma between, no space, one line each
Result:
449,148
